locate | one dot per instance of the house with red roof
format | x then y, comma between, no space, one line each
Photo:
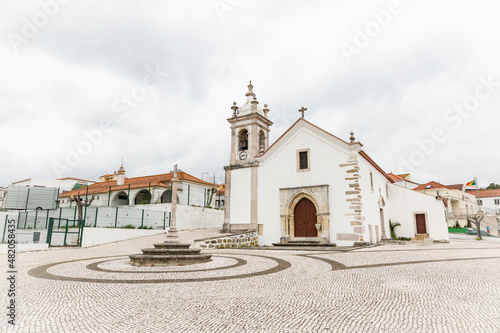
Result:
312,186
118,190
488,200
459,204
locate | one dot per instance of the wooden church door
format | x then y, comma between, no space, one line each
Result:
305,219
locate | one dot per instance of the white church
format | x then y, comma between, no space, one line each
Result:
310,185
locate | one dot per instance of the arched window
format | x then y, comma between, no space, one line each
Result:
243,139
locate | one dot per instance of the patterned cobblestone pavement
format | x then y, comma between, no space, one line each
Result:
414,288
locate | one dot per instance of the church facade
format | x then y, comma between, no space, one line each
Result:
312,185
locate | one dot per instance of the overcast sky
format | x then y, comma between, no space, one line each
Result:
84,84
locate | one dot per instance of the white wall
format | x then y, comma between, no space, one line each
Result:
370,198
240,196
189,217
404,203
96,236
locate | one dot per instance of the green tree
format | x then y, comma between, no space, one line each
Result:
493,186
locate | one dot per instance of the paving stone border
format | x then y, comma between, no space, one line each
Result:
336,266
95,267
42,272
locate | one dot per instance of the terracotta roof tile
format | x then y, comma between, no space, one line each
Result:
486,193
394,177
136,182
433,186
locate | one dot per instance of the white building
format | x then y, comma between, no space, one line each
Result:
118,190
312,185
488,201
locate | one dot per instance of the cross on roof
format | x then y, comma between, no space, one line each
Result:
302,109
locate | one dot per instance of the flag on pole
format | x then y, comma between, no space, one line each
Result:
471,183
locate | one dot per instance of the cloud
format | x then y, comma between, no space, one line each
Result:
65,80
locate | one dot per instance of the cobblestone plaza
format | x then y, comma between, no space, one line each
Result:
392,288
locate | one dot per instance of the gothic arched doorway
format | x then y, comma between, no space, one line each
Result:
305,219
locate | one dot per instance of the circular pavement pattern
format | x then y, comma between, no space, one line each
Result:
117,270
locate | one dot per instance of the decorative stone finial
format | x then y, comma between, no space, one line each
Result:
266,110
302,109
250,92
352,138
254,103
235,109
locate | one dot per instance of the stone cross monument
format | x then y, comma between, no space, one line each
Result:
172,236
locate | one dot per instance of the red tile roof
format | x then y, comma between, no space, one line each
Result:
136,182
394,177
433,186
486,193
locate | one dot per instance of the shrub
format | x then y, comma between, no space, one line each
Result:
392,227
128,226
144,227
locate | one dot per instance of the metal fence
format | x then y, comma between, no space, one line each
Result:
98,217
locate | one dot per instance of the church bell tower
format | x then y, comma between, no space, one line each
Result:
249,130
249,140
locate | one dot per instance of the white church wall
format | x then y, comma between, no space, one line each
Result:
370,198
404,203
240,196
279,170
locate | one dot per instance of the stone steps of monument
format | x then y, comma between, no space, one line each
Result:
168,260
172,245
170,251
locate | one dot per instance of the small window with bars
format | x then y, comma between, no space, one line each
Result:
303,160
497,201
